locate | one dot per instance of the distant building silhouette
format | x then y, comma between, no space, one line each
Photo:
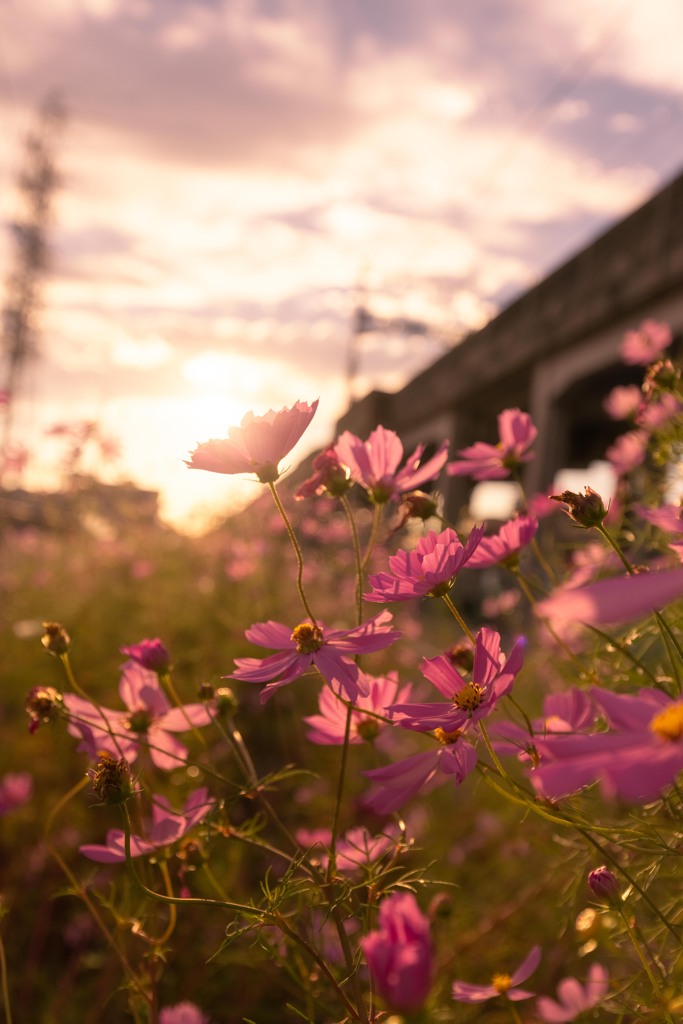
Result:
554,352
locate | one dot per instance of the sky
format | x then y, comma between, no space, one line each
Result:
236,176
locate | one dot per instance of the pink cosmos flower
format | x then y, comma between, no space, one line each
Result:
468,702
395,784
313,644
15,790
149,721
573,999
374,463
636,760
329,726
627,452
400,954
514,535
167,827
150,654
638,348
183,1013
427,571
355,850
483,461
668,518
329,477
618,599
257,445
501,984
623,402
657,413
571,711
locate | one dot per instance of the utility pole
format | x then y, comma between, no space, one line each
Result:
36,184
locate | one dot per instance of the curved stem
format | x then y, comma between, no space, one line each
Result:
446,598
346,505
297,552
340,792
376,519
83,893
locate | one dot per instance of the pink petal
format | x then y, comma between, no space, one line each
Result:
619,599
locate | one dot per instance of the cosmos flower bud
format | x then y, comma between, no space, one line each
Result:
55,639
585,509
661,376
226,701
111,780
44,704
604,884
151,654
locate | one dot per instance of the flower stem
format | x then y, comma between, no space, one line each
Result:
5,983
297,552
446,598
346,505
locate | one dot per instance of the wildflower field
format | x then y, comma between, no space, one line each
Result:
299,770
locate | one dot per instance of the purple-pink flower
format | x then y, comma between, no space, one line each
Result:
329,725
623,401
482,461
514,535
150,654
427,571
394,784
635,760
501,984
148,721
314,644
374,463
468,700
355,850
167,827
16,789
618,599
182,1013
257,445
574,998
627,451
643,346
399,953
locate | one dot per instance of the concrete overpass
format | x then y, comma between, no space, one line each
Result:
554,352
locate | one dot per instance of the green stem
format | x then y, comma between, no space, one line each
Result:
446,598
5,983
167,682
297,552
606,535
643,959
340,793
83,893
376,520
346,505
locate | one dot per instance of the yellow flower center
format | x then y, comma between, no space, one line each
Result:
668,724
470,697
308,638
446,738
501,982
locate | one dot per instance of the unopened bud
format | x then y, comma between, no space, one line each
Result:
151,654
226,701
585,509
462,656
417,505
44,704
661,376
604,884
111,780
55,639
